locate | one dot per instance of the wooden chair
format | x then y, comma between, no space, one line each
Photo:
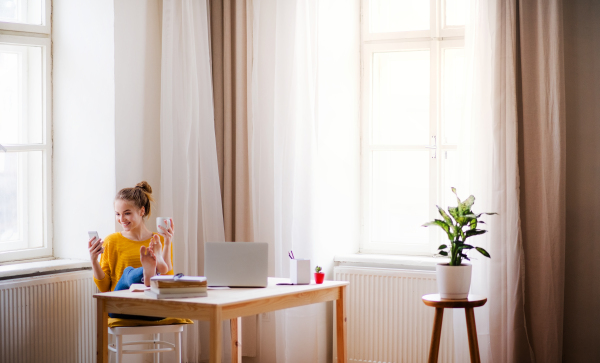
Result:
472,301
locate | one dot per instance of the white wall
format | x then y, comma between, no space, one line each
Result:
106,112
137,40
582,254
84,124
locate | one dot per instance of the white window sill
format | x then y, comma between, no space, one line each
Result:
36,268
390,261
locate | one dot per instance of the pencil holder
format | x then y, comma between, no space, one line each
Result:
300,272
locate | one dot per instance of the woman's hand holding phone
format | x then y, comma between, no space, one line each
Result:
95,246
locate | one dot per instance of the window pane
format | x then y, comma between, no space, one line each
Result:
21,200
21,84
398,15
455,12
401,98
449,180
21,11
400,196
453,92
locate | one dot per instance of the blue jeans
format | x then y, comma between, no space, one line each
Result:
131,276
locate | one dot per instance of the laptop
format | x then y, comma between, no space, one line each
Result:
236,264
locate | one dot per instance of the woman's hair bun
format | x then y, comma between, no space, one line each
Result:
144,186
141,196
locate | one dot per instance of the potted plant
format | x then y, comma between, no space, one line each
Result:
460,223
319,276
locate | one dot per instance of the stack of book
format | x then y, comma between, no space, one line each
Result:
165,287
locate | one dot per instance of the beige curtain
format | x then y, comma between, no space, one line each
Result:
489,153
231,48
514,147
542,146
231,54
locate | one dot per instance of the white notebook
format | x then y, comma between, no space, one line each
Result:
152,294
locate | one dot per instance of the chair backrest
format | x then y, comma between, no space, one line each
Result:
146,329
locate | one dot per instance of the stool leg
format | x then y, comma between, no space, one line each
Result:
434,349
119,346
472,333
178,346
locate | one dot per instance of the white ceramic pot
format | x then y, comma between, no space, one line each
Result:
453,282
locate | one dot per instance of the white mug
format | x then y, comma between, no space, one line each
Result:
160,221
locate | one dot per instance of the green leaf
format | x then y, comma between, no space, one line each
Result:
442,225
442,247
463,207
489,214
444,215
465,247
454,212
465,219
483,252
457,234
473,223
465,257
437,222
475,232
454,191
462,234
443,253
468,203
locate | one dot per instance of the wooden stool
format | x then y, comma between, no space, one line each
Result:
472,301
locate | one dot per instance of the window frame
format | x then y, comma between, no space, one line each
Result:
44,28
36,35
438,38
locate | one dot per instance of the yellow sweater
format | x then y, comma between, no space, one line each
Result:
120,252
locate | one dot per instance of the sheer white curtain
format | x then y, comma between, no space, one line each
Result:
283,149
304,151
190,178
488,154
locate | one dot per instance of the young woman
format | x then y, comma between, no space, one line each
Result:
135,254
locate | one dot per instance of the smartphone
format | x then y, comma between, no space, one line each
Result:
93,234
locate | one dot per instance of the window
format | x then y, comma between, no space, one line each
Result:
25,130
412,90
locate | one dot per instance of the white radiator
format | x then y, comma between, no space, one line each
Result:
387,320
48,318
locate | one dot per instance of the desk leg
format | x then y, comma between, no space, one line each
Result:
340,324
472,333
101,332
216,335
434,348
236,340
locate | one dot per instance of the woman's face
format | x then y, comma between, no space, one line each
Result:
128,215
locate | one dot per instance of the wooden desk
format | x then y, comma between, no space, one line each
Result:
219,305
